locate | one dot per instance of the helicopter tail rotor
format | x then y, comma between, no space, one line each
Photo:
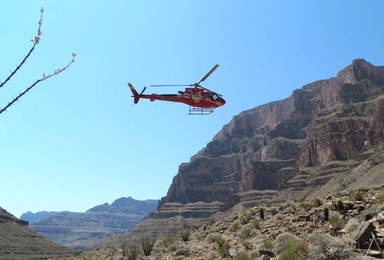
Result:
136,96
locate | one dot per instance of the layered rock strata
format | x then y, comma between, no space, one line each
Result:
323,133
18,241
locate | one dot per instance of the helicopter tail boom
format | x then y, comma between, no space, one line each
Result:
136,95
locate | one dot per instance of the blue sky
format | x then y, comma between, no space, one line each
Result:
77,140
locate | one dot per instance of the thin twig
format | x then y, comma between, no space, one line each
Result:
35,41
45,77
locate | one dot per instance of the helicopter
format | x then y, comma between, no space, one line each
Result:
201,101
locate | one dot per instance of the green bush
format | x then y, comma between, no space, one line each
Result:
234,227
168,241
247,245
244,220
379,199
294,250
306,205
224,249
220,240
325,247
242,256
206,228
246,232
357,195
185,235
223,246
336,221
182,251
130,250
255,223
282,239
147,244
267,244
317,202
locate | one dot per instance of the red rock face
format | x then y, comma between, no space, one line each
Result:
262,148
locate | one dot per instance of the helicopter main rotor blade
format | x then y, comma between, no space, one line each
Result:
208,74
172,85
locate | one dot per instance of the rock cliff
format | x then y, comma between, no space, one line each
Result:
18,241
264,147
286,149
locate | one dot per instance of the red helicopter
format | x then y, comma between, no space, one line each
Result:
202,101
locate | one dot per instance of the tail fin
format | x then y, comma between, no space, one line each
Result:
136,95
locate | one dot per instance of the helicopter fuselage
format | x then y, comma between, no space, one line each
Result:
195,97
191,96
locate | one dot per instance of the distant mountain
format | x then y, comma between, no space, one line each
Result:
34,217
85,230
18,241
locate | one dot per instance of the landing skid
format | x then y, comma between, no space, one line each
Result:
200,111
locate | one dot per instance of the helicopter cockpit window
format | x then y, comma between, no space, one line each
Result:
213,96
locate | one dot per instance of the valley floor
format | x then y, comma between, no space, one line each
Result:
307,229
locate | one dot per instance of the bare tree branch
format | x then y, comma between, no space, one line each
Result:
45,77
35,41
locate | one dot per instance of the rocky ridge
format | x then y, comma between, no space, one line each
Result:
17,240
31,217
85,230
338,226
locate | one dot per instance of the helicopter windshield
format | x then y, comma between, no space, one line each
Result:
213,96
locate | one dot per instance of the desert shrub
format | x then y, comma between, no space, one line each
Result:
273,211
242,256
327,247
279,216
282,239
379,199
336,221
223,246
185,235
246,232
211,238
247,245
168,241
255,223
224,249
182,251
206,228
234,227
357,195
351,225
294,250
147,244
326,213
243,220
220,240
317,202
306,205
267,245
340,205
130,250
261,213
